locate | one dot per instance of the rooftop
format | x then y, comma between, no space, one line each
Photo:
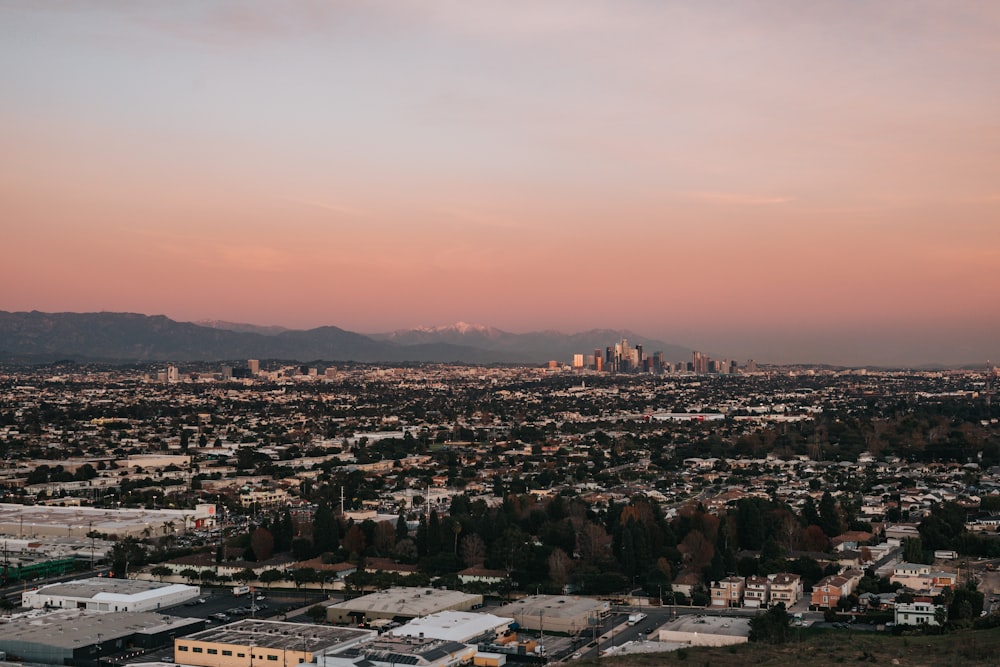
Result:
458,626
73,628
280,635
403,601
553,606
111,588
710,625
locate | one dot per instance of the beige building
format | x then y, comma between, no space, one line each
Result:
259,643
728,592
786,588
757,592
706,631
556,613
401,603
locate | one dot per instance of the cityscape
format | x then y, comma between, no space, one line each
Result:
514,514
499,333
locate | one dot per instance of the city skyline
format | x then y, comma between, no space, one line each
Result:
774,181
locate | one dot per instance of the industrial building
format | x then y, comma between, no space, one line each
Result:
458,626
556,613
266,642
388,651
706,631
401,603
50,520
80,637
107,594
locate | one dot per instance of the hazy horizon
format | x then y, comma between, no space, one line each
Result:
792,182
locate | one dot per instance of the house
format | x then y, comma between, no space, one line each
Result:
757,592
912,575
786,588
728,592
916,613
828,591
687,582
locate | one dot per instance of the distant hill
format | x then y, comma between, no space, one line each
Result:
241,327
37,337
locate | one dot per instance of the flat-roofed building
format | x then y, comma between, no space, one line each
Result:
263,643
401,603
464,627
706,631
78,636
556,613
27,521
107,594
388,651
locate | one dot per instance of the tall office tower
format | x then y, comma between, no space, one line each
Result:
700,362
597,359
599,366
172,374
254,366
577,361
733,367
227,372
751,366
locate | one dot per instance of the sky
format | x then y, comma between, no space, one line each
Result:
792,181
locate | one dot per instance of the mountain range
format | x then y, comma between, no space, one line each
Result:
38,337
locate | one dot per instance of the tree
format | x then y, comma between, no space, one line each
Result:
262,543
771,626
190,574
829,516
326,535
473,550
126,553
913,550
749,524
161,571
317,613
559,565
354,541
270,576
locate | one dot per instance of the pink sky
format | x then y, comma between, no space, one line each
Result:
783,180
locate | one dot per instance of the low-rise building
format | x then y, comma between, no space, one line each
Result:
916,613
757,592
828,591
401,603
728,592
264,643
785,588
107,594
388,651
458,626
706,631
556,613
79,636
